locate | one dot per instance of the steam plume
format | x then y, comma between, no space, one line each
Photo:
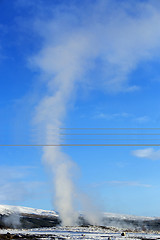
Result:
76,40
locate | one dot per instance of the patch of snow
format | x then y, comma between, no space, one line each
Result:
8,209
75,233
128,217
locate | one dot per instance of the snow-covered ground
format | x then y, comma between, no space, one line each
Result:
8,209
92,232
75,233
128,217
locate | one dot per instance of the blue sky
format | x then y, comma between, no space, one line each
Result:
102,57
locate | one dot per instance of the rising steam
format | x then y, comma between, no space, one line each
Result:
75,41
50,114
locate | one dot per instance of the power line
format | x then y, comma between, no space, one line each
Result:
65,145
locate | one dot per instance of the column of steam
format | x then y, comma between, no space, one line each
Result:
49,115
63,64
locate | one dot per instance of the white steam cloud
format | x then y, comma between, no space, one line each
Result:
12,220
113,37
65,192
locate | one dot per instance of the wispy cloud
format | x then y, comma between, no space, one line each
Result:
132,184
149,153
15,172
112,115
122,116
15,185
125,184
141,119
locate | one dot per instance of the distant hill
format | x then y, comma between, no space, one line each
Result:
24,217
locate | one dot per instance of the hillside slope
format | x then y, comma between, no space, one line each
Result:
24,217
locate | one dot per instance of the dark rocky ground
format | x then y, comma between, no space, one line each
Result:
9,236
28,221
129,224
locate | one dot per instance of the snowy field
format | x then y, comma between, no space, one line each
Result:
9,209
117,226
75,233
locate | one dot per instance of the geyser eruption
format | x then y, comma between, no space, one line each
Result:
62,168
50,113
62,62
75,41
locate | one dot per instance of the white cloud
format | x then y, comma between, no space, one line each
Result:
141,119
15,184
13,192
14,172
149,153
122,116
114,116
125,183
